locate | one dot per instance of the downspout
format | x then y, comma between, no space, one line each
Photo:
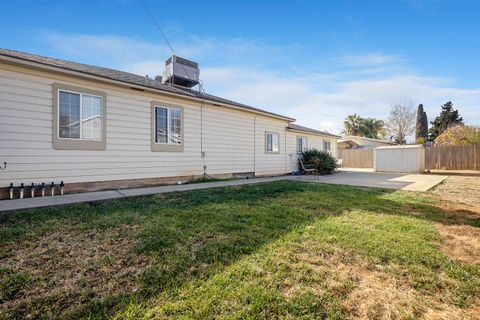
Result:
202,153
285,144
254,145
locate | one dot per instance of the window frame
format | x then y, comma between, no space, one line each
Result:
266,142
165,146
304,147
329,144
74,143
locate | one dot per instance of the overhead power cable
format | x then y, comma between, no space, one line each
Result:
200,86
158,26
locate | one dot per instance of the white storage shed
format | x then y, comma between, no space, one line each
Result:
404,159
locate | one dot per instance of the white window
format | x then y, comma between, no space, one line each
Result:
80,116
168,125
327,147
301,144
272,142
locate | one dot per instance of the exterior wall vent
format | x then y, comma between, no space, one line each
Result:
181,72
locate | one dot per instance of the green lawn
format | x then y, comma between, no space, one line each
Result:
285,250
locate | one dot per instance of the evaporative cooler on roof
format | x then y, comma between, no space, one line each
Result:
181,72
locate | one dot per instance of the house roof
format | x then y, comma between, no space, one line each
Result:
405,146
350,143
346,138
297,127
125,77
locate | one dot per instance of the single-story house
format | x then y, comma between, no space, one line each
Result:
96,128
354,142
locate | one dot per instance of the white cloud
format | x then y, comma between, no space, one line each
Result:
143,57
376,58
307,100
319,99
111,49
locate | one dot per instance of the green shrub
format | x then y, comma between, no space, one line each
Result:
323,161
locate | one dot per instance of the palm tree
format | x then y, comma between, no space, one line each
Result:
352,125
370,127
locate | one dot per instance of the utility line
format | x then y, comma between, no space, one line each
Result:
158,26
149,13
200,86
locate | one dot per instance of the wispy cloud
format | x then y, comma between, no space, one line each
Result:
144,57
311,104
367,84
376,58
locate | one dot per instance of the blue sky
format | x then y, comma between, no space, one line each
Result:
316,61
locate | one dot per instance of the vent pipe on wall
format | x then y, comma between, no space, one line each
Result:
22,188
43,189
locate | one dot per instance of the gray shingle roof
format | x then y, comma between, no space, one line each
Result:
297,127
127,77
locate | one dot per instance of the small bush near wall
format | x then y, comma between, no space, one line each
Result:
324,162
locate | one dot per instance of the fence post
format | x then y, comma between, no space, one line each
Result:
475,156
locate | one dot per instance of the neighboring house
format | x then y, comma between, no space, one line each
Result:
354,142
96,128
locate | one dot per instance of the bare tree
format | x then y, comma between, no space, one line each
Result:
401,122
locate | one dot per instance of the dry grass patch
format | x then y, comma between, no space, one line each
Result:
460,190
380,295
369,291
460,242
68,267
283,250
446,312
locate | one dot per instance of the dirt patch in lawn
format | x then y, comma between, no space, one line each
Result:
71,267
460,242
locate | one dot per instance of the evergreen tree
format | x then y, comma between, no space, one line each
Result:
421,129
425,125
448,117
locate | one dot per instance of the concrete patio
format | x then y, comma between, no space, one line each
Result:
352,177
369,178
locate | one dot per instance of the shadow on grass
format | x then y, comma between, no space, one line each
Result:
193,235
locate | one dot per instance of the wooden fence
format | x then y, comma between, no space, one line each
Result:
356,158
452,157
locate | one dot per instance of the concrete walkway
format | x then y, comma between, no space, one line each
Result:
27,203
363,178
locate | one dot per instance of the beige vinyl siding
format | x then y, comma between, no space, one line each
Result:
233,141
313,142
269,163
228,140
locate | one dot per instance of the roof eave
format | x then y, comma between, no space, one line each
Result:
315,133
365,138
89,76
